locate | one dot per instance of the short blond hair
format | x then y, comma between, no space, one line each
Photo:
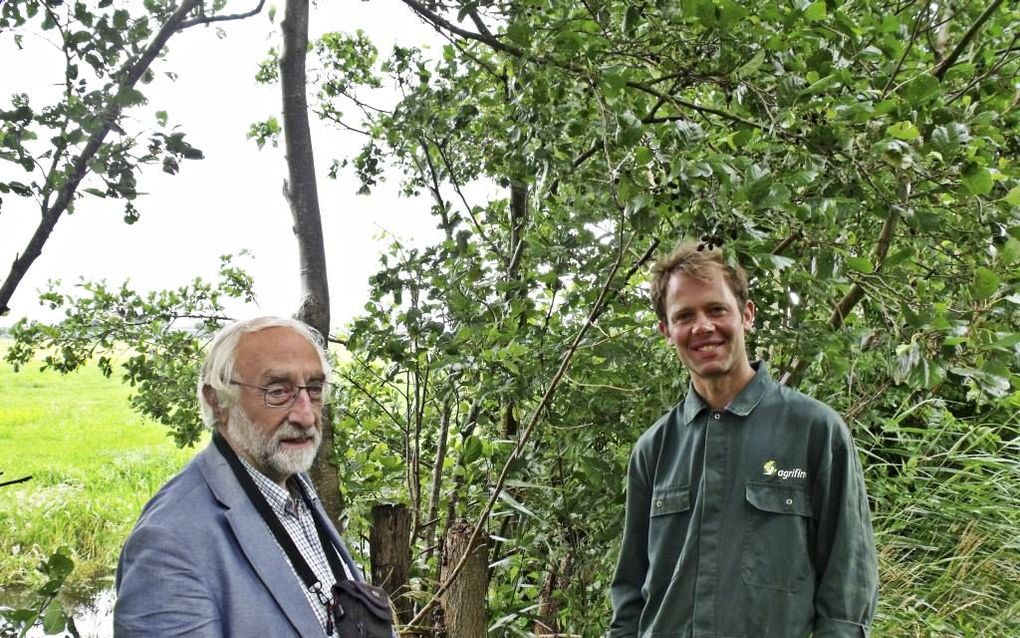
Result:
696,260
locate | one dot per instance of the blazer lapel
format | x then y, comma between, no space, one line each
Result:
258,545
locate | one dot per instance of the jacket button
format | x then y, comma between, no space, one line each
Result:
717,416
658,503
789,501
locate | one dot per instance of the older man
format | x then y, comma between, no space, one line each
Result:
237,544
746,510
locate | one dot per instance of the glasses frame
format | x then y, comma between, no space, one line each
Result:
293,397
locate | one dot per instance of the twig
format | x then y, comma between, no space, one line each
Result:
910,45
437,21
208,20
15,481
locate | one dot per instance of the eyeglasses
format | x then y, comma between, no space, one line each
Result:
283,395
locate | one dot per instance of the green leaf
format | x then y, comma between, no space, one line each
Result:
519,33
950,137
730,14
1013,197
630,129
986,283
778,195
691,134
129,96
54,618
977,179
823,84
748,68
472,450
642,155
903,131
815,11
614,80
631,19
860,264
921,89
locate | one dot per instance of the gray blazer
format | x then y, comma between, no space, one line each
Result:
201,562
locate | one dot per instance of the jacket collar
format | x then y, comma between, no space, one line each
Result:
746,400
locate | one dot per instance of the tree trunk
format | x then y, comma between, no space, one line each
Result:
302,195
464,602
432,521
391,555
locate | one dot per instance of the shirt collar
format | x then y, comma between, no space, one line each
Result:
745,401
279,498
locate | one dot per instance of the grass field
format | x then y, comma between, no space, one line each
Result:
93,461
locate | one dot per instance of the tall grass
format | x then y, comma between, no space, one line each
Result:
94,463
947,525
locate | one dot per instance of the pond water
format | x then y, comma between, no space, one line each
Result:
93,617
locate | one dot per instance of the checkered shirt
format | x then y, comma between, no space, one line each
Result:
297,520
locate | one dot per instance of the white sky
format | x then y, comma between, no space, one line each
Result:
232,199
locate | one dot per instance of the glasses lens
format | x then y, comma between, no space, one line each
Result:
314,392
279,394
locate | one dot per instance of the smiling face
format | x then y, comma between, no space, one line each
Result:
279,442
706,324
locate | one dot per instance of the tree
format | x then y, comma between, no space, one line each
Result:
857,158
108,52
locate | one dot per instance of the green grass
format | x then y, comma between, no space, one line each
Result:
93,461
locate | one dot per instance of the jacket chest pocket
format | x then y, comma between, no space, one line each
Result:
671,499
669,516
776,551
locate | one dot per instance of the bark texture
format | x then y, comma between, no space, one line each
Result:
463,602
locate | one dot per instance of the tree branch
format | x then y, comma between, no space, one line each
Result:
438,22
946,64
209,20
856,292
692,106
15,481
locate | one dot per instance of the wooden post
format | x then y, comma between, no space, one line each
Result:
463,603
389,546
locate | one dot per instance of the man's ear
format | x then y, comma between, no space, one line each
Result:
214,402
749,316
663,330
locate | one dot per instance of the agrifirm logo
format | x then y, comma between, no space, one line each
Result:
770,469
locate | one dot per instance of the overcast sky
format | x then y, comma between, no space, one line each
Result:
229,201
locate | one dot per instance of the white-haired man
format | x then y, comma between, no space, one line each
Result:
237,544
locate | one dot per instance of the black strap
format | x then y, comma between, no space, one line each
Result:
332,557
276,527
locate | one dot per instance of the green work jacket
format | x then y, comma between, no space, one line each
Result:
746,522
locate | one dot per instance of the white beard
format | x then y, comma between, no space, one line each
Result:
263,450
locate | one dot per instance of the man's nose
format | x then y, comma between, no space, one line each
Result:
702,325
303,412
